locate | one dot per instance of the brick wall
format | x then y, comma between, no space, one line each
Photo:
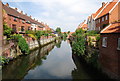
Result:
115,14
109,56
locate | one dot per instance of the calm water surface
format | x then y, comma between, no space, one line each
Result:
54,61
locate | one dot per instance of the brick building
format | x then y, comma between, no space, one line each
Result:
19,21
110,50
83,25
110,13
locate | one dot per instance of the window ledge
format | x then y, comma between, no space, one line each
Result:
104,46
118,48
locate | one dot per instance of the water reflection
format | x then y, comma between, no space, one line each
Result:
49,63
20,67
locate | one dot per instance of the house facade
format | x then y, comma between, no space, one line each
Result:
109,14
83,25
19,21
110,50
91,19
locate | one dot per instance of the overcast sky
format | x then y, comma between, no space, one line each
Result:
67,14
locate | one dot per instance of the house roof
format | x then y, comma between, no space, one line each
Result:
99,10
112,28
12,12
83,25
107,9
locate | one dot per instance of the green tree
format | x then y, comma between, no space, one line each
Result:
7,30
38,35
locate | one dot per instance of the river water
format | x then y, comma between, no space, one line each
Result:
54,61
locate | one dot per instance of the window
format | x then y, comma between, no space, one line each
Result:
99,20
102,18
118,43
15,19
106,17
22,28
104,42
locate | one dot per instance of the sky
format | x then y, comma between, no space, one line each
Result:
66,14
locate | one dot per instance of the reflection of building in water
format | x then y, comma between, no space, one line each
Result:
18,68
83,71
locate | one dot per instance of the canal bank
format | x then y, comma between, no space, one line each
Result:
12,51
57,62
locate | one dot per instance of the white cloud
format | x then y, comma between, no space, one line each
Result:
65,13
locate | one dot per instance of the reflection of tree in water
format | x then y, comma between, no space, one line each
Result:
58,43
83,71
18,68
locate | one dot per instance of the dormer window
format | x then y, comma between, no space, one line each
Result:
15,19
23,21
28,22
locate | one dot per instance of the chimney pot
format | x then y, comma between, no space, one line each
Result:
16,9
103,4
7,4
21,12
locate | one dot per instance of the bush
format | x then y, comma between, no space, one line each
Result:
21,43
7,30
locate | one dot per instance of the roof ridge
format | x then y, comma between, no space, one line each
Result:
105,28
102,10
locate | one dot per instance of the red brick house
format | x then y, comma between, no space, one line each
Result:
109,14
18,21
83,25
110,50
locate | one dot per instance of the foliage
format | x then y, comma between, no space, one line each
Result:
58,30
3,60
21,43
38,34
78,45
91,33
7,30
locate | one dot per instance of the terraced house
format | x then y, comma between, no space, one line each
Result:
109,14
21,22
83,25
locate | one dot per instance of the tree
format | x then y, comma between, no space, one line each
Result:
58,30
68,32
7,30
38,35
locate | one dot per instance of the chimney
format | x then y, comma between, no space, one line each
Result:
21,12
30,16
16,9
34,18
103,4
26,14
7,4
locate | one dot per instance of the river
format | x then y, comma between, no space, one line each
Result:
54,61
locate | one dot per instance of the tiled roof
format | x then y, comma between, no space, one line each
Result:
112,28
107,9
15,13
99,10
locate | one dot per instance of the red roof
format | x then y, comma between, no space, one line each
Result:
112,28
107,9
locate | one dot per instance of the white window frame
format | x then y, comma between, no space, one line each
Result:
103,18
118,44
104,42
106,17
